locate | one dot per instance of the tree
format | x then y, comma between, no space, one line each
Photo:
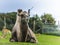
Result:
10,19
47,19
35,24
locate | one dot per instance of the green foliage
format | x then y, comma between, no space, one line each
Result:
10,19
35,22
48,19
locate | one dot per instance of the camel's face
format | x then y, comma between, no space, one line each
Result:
24,17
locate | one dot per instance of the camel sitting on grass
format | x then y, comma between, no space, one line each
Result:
21,31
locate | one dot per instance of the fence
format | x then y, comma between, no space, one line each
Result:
51,29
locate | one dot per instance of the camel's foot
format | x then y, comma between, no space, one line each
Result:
12,40
33,41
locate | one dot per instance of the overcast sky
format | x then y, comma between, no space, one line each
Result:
40,6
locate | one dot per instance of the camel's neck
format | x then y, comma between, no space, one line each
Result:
18,19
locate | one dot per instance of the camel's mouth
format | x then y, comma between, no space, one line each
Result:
23,22
24,19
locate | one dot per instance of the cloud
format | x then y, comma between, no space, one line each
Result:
10,5
40,6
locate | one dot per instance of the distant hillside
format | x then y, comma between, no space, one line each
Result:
10,19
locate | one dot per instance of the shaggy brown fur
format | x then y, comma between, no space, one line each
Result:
21,31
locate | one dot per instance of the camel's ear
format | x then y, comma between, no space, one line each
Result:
19,10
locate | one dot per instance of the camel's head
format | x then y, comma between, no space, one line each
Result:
24,16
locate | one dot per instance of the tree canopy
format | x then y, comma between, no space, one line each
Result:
47,19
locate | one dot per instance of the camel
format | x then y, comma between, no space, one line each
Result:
21,31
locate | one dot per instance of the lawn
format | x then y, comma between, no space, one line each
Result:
42,40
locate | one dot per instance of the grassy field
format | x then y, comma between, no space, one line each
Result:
42,40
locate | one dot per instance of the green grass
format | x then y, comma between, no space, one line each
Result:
42,40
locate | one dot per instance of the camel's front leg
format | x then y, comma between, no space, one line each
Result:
30,37
13,36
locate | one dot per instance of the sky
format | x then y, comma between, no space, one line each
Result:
39,7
